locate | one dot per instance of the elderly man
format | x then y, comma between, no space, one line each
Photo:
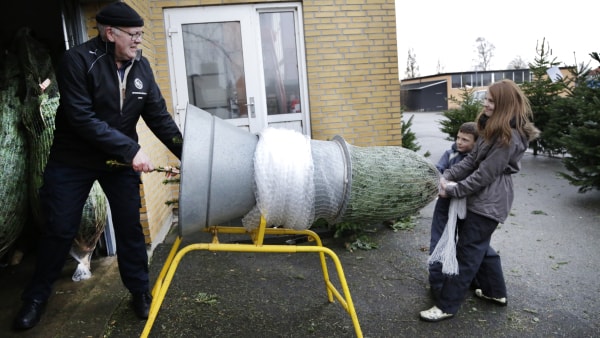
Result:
105,87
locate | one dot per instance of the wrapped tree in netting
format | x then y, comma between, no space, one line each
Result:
299,180
40,99
92,225
13,166
40,103
389,182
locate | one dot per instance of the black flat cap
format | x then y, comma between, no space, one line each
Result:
119,14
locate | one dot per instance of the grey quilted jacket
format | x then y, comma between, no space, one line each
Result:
485,177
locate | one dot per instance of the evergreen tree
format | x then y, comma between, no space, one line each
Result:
562,112
582,139
409,138
542,93
468,109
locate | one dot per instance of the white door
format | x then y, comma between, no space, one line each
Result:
242,63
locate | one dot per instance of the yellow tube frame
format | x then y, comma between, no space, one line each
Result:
175,255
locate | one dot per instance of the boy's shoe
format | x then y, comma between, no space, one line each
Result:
434,315
499,301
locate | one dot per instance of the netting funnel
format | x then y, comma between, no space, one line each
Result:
217,172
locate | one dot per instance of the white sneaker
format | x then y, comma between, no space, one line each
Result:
434,315
500,301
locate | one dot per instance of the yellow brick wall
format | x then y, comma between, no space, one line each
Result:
353,71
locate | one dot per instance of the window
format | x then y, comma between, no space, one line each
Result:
456,81
486,79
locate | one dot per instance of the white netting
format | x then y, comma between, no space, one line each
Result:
84,268
283,172
445,250
331,179
93,222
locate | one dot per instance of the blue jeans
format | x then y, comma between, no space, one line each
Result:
62,197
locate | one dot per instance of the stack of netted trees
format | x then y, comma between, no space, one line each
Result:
28,102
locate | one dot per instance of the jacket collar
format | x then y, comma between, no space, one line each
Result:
108,47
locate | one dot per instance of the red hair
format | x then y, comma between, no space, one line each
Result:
511,110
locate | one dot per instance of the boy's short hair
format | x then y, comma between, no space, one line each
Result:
469,128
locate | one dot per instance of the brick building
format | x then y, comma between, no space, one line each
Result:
335,66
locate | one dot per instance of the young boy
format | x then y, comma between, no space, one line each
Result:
465,141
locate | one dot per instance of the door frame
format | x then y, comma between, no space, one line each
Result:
178,71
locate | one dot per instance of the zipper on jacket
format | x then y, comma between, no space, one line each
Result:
122,94
122,74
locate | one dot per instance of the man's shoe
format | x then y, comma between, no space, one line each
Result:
434,315
141,304
29,315
499,301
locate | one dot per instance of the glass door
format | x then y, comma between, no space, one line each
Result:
241,63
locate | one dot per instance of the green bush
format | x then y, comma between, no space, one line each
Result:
468,109
409,139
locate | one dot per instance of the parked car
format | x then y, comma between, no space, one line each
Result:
479,95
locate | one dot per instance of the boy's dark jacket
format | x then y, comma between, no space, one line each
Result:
450,158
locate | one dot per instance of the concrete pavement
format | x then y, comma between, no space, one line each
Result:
549,247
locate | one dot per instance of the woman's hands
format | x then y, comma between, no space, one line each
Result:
442,187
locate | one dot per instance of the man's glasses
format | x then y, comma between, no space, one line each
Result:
134,37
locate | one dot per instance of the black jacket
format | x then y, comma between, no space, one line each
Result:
91,126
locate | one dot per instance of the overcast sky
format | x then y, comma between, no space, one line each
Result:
446,31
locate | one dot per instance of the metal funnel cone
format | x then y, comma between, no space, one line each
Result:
217,172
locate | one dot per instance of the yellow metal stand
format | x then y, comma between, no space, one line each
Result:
175,255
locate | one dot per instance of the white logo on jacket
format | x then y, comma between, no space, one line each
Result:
138,84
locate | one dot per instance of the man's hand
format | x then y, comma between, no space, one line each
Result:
141,162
